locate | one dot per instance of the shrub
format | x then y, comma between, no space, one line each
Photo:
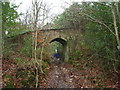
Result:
26,50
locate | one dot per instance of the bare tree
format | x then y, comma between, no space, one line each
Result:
34,18
36,7
39,15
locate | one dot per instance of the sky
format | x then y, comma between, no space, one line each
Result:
57,6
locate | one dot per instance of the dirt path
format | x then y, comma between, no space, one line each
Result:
60,78
64,77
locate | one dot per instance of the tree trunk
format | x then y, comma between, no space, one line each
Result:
115,26
37,64
118,11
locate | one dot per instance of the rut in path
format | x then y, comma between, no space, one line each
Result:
62,77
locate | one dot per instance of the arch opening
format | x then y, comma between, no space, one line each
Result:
60,45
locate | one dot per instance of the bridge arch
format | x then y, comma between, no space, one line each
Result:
64,44
60,40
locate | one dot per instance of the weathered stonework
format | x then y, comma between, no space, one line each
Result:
67,37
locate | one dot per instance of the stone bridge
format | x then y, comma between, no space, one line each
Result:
67,37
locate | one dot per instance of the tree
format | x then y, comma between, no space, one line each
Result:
102,16
115,23
70,18
9,17
38,7
9,24
101,28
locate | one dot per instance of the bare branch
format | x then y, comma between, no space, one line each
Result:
98,21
